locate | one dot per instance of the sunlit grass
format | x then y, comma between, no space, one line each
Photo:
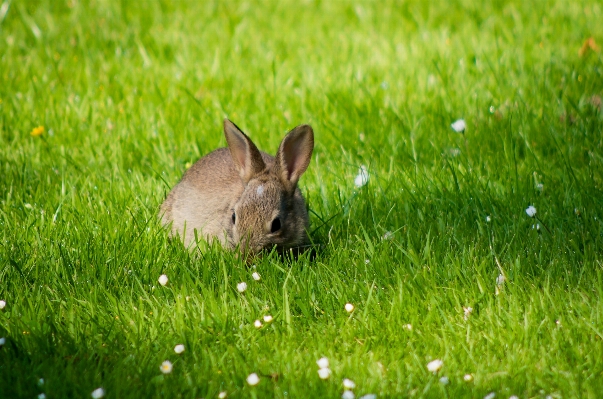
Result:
103,105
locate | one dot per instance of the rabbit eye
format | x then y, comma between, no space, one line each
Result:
276,225
234,218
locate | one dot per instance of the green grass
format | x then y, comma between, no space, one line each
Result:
131,93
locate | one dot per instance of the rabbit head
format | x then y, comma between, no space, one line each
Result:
271,211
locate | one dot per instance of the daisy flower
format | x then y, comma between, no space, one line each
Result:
362,177
435,365
349,384
348,395
459,126
324,373
166,367
323,362
531,211
253,379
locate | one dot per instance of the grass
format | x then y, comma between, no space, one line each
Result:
131,93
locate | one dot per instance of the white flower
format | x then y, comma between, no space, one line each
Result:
348,395
256,276
488,219
388,235
242,286
467,310
444,380
491,395
222,395
531,211
349,307
257,324
468,377
98,393
362,177
348,384
166,367
408,327
366,261
41,381
435,365
163,279
2,341
513,397
253,379
42,396
500,280
323,362
539,186
558,322
324,373
368,396
459,126
179,348
2,304
268,319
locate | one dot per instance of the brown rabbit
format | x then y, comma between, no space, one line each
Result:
244,197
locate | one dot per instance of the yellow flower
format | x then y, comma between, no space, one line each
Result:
37,131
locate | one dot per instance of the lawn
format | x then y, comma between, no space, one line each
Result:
104,104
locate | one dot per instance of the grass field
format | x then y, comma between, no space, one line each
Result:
129,94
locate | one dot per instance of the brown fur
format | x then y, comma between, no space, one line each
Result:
228,180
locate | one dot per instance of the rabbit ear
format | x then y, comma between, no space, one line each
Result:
293,156
246,156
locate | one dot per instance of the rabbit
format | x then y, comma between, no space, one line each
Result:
243,197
